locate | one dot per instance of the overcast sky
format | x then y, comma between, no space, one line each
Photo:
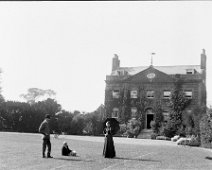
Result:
68,46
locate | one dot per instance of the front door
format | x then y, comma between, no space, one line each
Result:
149,118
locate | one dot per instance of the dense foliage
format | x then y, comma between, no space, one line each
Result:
206,129
157,123
177,104
26,117
1,97
133,128
23,117
34,94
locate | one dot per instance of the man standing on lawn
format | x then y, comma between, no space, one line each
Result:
45,130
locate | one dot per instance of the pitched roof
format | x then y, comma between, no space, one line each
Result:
178,69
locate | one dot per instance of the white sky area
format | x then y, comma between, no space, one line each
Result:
68,46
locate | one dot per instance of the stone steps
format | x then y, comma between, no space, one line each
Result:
145,134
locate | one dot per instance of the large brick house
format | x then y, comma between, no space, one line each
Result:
126,86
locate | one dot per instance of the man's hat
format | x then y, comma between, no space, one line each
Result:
47,116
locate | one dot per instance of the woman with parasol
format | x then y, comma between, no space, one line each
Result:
109,149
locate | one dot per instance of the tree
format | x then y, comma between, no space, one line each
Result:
64,122
15,116
33,94
23,117
125,105
156,124
206,129
1,97
94,121
77,124
141,105
178,103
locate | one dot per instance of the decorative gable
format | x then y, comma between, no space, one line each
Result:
151,75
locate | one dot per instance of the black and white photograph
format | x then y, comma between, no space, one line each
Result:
105,85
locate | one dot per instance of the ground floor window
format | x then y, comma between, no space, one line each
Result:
133,112
165,116
115,112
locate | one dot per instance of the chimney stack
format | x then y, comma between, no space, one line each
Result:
203,59
115,62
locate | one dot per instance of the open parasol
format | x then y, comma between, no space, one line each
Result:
114,125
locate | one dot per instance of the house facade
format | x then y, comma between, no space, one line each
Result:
135,92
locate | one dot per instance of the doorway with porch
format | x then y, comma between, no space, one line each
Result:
149,118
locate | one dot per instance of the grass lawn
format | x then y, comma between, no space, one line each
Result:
23,151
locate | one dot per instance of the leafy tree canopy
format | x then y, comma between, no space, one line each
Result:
33,94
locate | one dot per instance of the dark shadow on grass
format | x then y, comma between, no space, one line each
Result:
67,159
71,159
137,159
208,157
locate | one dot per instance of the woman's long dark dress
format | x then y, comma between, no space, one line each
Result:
109,149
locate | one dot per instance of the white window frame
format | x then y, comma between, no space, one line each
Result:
165,95
188,94
133,94
150,96
189,71
166,115
115,113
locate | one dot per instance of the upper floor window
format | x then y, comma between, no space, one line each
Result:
189,71
150,94
121,73
165,116
115,112
133,94
188,94
166,94
116,94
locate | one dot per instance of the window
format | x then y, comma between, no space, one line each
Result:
133,94
188,94
116,94
189,111
165,116
150,94
133,111
115,112
189,71
166,94
121,72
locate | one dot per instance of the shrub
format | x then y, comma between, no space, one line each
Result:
123,129
167,130
162,138
154,135
175,138
133,128
183,141
155,126
182,131
206,131
195,141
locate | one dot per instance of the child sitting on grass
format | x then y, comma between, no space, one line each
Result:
66,151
